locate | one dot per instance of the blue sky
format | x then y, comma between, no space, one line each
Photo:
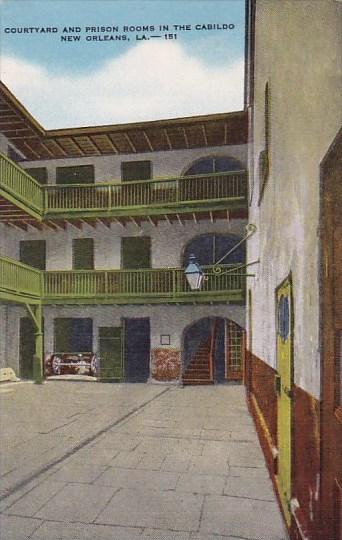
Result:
93,79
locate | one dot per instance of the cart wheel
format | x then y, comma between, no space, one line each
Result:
56,365
93,366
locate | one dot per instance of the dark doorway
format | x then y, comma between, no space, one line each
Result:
26,348
213,351
137,350
204,356
110,351
73,335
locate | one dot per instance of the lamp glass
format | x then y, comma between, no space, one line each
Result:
194,274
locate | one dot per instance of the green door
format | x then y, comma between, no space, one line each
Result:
284,388
111,354
26,348
136,252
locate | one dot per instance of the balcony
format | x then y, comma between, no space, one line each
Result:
22,198
21,283
152,285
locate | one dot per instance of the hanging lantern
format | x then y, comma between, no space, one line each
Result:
194,274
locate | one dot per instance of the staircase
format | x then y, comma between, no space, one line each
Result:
199,370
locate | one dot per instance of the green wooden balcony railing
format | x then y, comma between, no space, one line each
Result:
166,195
155,285
20,188
19,282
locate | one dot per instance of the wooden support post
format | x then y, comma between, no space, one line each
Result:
35,313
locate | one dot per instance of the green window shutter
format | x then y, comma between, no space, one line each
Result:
38,173
33,253
80,174
83,253
136,170
136,252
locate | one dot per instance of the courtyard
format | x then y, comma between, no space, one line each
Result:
84,461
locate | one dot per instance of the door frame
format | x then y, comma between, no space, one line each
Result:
287,282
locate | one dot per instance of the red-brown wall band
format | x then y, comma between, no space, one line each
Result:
262,398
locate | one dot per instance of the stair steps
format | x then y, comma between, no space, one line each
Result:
198,370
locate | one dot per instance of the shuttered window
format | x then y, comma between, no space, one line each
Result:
33,253
38,173
80,174
136,252
83,254
136,170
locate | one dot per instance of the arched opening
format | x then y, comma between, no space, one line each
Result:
210,248
213,164
213,351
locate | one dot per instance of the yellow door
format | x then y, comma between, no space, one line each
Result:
284,389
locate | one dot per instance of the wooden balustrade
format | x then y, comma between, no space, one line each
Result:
123,286
149,193
19,279
15,182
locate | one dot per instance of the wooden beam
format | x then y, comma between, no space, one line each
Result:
105,221
119,223
179,220
35,225
18,225
205,135
93,143
60,148
167,219
151,221
31,149
76,224
185,138
225,133
73,139
195,218
167,138
111,144
47,149
130,143
149,144
135,222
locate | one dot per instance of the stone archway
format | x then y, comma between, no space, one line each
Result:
213,351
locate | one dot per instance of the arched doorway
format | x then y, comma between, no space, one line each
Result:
213,351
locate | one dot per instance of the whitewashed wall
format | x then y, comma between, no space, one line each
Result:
170,163
168,241
164,319
305,117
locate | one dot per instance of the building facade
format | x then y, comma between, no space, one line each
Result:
293,372
105,219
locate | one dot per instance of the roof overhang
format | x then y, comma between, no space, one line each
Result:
36,143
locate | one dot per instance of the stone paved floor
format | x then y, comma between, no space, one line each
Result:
86,461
